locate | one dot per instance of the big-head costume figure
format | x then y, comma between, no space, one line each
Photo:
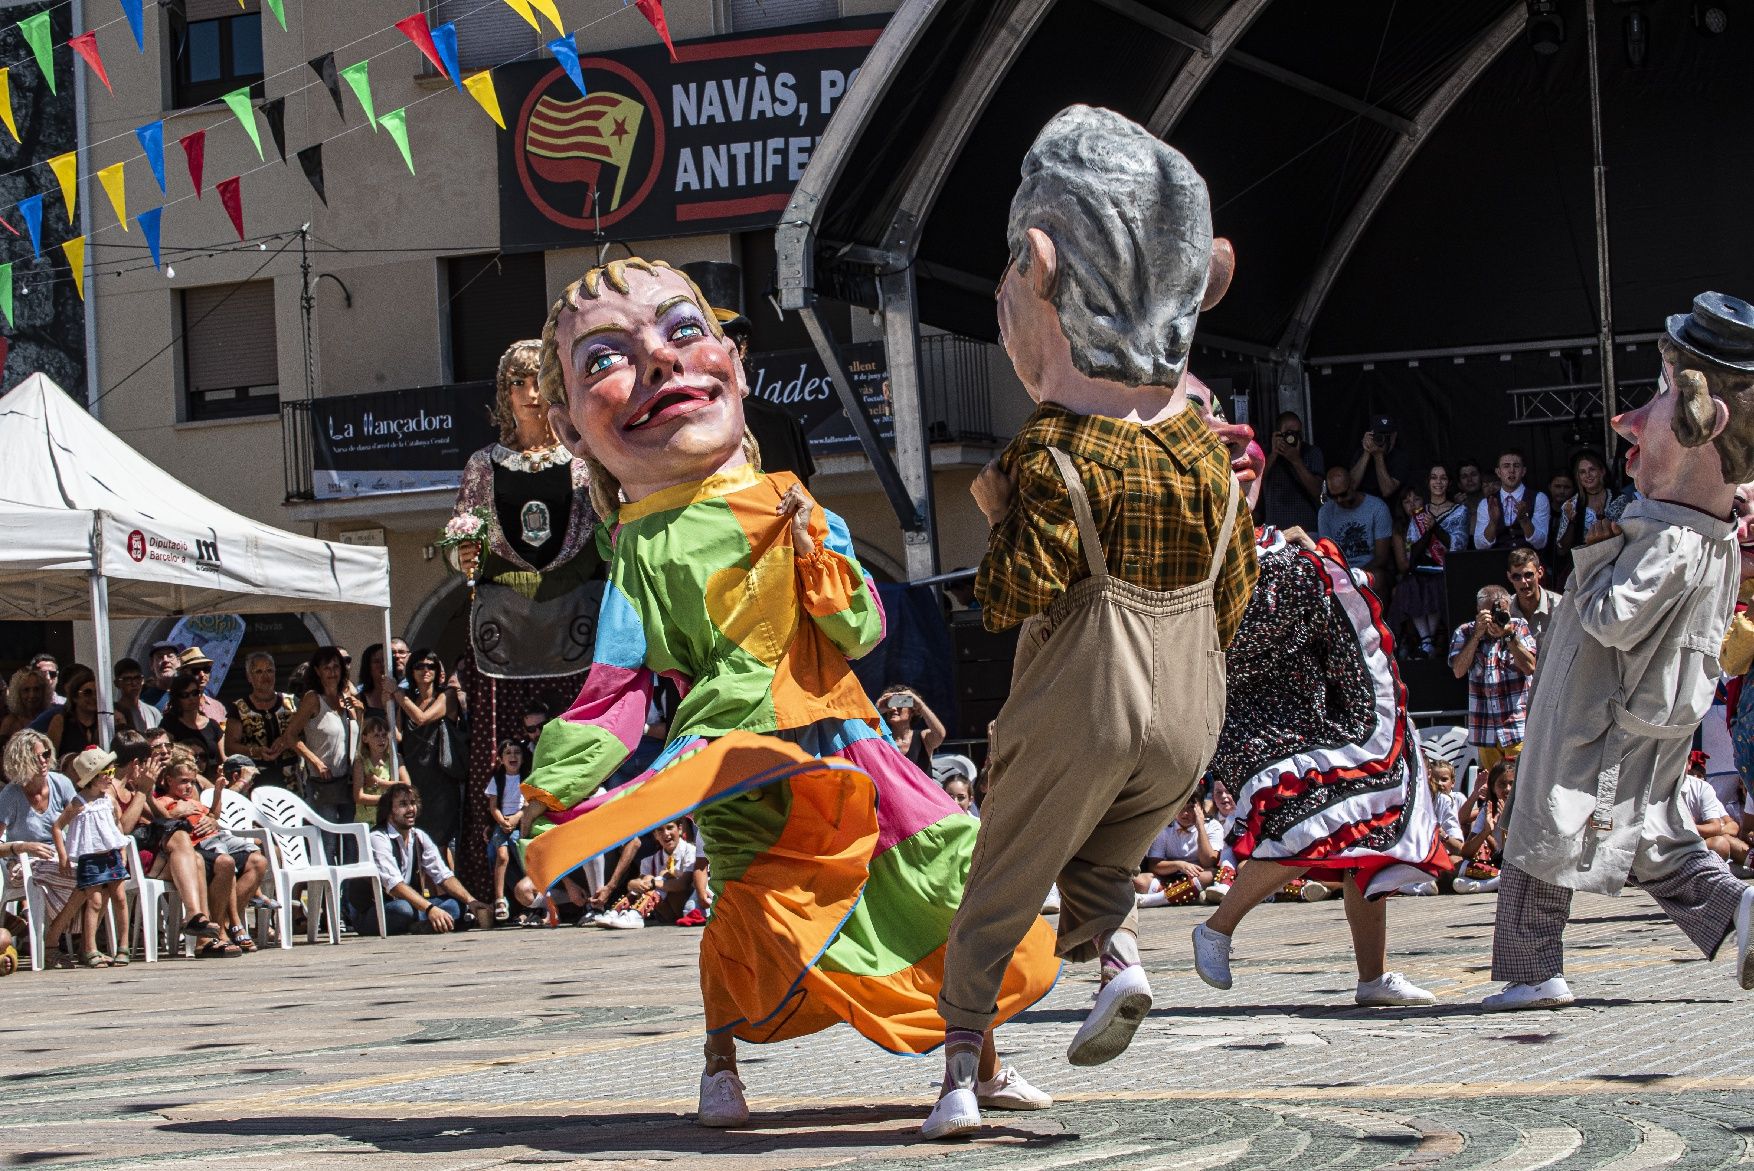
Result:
1628,669
1121,542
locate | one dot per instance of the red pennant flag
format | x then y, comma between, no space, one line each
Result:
85,44
654,12
415,29
195,147
232,196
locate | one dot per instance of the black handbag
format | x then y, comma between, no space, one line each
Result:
453,750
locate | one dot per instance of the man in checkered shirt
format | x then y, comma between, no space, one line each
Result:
1495,653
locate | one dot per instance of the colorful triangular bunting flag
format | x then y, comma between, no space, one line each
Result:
85,44
566,51
74,250
324,68
194,146
480,87
310,160
358,76
444,38
278,8
115,182
149,228
136,22
275,113
41,40
31,208
396,122
654,12
547,8
151,138
245,108
6,104
415,29
66,168
6,290
231,195
522,8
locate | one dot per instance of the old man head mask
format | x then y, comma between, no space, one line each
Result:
1708,356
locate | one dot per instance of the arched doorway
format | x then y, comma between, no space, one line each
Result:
441,621
290,638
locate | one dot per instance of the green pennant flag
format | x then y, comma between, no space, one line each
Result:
278,8
359,77
36,33
241,105
6,290
396,122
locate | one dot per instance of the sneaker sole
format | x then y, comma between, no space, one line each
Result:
1110,1038
720,1121
964,1119
1550,1002
1012,1104
1394,1002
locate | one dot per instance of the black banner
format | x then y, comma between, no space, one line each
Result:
798,381
397,440
712,142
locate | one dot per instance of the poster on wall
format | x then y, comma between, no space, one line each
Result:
218,635
798,381
711,142
397,441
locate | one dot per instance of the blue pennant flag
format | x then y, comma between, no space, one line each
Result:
151,138
148,221
31,209
136,22
444,39
567,53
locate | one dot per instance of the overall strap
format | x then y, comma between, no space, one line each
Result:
1087,535
1223,545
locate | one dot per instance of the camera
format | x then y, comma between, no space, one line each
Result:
1501,614
1380,427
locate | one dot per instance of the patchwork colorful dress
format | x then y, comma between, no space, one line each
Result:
836,864
1316,746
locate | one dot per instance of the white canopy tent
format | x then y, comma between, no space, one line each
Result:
90,528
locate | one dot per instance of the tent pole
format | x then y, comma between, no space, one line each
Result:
1604,287
100,621
390,712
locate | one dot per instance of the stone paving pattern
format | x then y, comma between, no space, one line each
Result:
581,1047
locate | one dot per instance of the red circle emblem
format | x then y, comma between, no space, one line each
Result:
137,545
581,140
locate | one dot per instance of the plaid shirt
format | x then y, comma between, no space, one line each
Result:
1498,691
1157,494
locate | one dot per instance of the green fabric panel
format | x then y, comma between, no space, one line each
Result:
913,892
733,832
568,755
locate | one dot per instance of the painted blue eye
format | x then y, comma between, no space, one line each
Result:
687,329
602,360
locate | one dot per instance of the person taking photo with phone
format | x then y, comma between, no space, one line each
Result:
1495,653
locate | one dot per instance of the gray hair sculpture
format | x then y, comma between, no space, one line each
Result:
1132,228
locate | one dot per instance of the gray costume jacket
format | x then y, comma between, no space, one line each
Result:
1626,673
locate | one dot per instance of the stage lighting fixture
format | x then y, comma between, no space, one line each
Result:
1710,19
1546,27
1637,38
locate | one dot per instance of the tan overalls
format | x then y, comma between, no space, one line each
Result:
1100,743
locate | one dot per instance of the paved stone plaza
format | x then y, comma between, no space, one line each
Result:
571,1047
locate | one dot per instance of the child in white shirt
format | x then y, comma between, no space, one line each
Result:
90,841
672,881
505,789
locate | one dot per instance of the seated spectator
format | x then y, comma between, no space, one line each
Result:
238,773
505,795
536,717
194,662
670,883
1484,812
1722,833
1382,466
186,723
29,806
1440,781
1182,860
956,788
256,721
46,665
162,662
133,712
1359,525
1578,515
915,728
73,727
235,865
420,892
89,837
1534,601
371,770
27,697
1496,655
1515,515
1291,484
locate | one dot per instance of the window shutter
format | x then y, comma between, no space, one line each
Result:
754,14
232,343
488,34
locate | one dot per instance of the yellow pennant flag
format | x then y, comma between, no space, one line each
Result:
66,168
547,8
6,103
75,250
480,87
522,8
116,187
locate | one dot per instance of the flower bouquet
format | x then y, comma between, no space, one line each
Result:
466,528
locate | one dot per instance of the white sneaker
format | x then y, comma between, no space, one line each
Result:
1155,898
1467,886
1008,1091
629,920
1313,892
1392,990
954,1115
721,1100
1051,904
1214,894
1212,956
1554,993
1120,1006
1745,939
1418,888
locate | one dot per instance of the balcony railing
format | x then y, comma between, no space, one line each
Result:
955,388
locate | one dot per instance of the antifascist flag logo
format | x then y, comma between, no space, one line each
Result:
571,141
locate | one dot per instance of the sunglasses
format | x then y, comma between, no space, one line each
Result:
45,754
50,674
83,692
533,729
424,667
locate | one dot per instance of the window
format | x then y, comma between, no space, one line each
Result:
231,365
494,301
216,49
488,34
753,14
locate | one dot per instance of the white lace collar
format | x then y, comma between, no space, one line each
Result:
531,461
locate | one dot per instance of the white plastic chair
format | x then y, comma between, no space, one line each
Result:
154,898
296,831
32,906
1451,744
948,765
239,815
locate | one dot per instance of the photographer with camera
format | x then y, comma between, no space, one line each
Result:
1291,484
1382,465
1496,655
916,728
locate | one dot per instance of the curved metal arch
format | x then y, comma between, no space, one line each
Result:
1226,31
1485,51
